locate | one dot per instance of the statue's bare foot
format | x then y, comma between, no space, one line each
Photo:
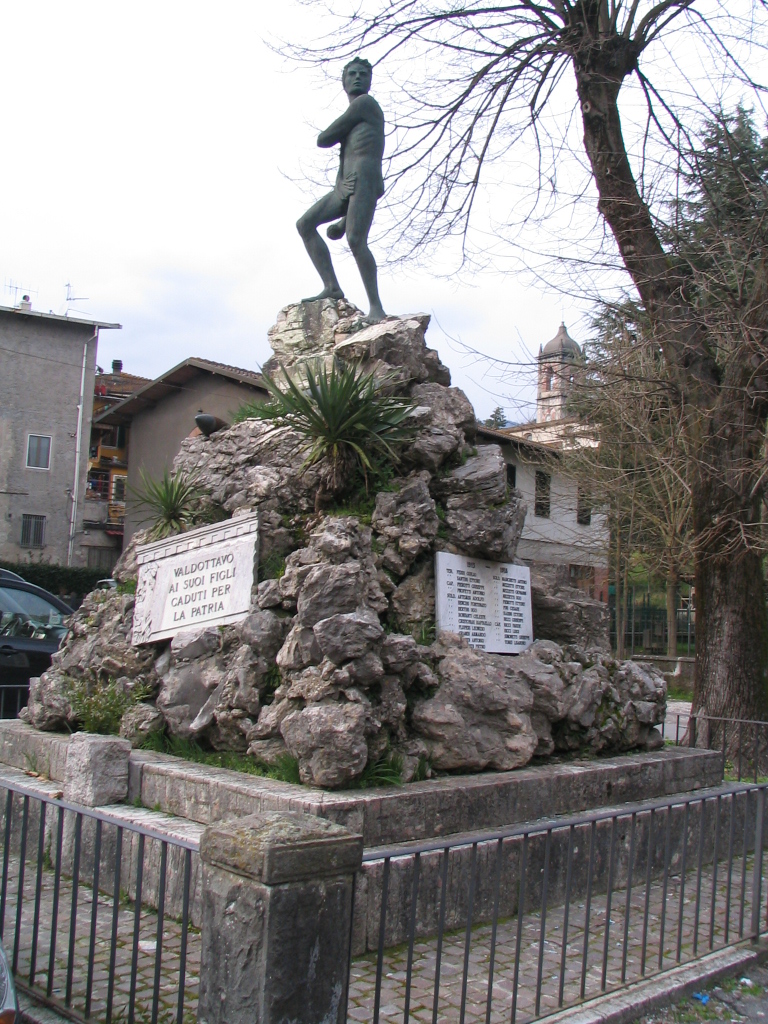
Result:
337,230
326,293
376,315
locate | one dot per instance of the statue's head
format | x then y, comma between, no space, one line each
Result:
356,76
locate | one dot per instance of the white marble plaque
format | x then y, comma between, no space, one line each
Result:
488,603
199,578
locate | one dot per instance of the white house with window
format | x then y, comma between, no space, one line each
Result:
47,368
561,527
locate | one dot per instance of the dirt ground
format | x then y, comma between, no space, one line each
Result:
743,998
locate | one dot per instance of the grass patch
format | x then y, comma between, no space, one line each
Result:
100,709
387,771
425,632
272,567
272,680
678,693
286,768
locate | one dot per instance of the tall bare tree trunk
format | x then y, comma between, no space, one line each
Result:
731,620
731,616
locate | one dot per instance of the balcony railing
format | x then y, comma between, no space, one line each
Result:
102,512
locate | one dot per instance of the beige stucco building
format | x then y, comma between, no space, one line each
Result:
47,369
162,413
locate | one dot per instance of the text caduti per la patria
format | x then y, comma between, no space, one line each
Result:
202,586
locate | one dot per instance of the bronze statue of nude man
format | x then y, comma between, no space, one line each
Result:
359,185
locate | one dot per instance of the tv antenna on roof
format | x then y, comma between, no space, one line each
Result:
14,288
71,297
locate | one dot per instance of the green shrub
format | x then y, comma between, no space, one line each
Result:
349,426
272,567
247,411
101,708
387,771
285,769
173,504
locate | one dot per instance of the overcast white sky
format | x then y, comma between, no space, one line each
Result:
148,152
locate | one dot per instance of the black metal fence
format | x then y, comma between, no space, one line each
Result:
516,924
646,630
743,743
95,911
13,697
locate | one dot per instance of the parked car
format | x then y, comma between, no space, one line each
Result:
32,625
109,584
8,575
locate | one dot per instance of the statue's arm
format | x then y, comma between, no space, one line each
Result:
357,111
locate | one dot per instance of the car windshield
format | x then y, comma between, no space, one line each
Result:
28,615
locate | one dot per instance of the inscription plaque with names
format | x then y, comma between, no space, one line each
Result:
488,603
199,578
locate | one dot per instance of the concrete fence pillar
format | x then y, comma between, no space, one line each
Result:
97,769
96,774
276,920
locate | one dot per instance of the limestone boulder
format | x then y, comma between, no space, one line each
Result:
195,643
268,594
264,632
305,330
249,465
271,718
300,649
48,705
329,742
484,532
406,521
483,476
98,645
269,752
395,347
448,406
399,652
331,590
479,717
566,615
233,706
413,601
127,568
185,690
343,637
139,722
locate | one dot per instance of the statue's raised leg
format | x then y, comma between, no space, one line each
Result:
330,207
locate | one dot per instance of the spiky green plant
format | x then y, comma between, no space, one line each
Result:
347,421
172,504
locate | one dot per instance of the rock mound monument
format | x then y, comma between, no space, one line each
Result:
337,664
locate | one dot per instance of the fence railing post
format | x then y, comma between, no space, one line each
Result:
276,919
97,769
757,877
96,775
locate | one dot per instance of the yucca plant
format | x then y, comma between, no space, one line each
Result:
347,422
172,504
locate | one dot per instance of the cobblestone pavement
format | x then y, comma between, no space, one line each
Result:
71,989
463,991
606,963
